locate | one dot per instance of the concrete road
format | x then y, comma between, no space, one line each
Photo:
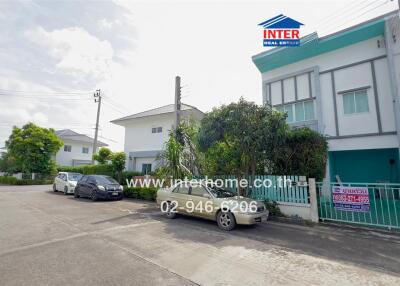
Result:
47,238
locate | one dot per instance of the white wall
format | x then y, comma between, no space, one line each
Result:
65,158
363,143
139,136
385,95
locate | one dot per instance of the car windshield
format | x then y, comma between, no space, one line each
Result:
105,180
221,193
74,176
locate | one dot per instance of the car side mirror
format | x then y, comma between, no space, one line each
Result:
207,196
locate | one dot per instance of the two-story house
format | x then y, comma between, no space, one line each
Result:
146,133
345,85
77,148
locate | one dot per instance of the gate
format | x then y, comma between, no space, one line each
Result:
375,204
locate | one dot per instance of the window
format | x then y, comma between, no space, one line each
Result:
67,148
198,191
355,102
182,189
85,150
146,169
156,130
297,112
83,179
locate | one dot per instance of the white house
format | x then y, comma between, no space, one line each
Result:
345,85
77,148
146,132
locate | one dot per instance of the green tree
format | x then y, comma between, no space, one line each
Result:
8,164
239,138
304,153
118,163
171,159
104,156
181,156
32,148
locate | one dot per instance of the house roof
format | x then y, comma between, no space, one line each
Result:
156,111
311,45
68,134
281,22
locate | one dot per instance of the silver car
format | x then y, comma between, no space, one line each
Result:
215,204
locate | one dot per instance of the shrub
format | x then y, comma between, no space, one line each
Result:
148,194
304,153
14,181
273,208
128,175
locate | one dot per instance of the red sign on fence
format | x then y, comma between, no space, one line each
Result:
354,199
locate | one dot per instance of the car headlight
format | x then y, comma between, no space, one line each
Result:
71,185
121,188
101,188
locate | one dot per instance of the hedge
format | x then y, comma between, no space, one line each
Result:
128,175
99,170
148,194
14,181
88,169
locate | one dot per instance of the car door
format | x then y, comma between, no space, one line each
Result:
203,205
83,186
90,185
56,180
181,195
59,182
63,181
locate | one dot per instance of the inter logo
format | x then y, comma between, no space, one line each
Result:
281,31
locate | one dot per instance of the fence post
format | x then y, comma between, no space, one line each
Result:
313,200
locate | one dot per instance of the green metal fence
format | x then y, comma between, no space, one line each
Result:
291,189
382,209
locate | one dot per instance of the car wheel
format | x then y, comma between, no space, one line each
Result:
170,211
65,190
226,220
93,196
54,188
76,193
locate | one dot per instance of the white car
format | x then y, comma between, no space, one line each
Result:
66,182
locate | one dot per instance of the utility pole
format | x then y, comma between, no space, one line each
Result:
177,102
97,99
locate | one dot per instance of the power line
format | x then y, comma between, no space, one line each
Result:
42,98
114,108
348,9
116,104
105,138
376,7
356,16
48,92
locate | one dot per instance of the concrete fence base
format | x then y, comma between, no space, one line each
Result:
305,211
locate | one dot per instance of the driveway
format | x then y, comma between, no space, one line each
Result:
47,238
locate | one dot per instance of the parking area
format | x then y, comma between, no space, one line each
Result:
48,238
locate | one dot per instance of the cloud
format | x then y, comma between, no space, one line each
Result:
75,50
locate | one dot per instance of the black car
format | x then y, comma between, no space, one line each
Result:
98,187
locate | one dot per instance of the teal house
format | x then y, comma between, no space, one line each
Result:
346,86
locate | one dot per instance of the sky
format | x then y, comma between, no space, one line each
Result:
55,54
